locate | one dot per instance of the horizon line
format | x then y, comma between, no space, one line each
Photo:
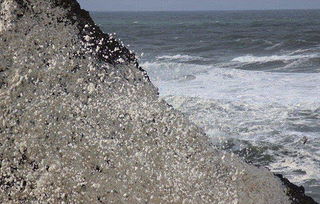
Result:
187,10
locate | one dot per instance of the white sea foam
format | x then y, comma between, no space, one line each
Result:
266,126
234,84
272,58
253,106
251,86
166,71
301,51
179,57
274,46
307,163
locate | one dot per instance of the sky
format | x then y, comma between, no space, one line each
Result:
165,5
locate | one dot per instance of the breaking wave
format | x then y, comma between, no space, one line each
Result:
265,59
179,57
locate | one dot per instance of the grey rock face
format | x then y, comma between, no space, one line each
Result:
81,123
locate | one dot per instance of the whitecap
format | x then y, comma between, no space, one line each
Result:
179,57
264,59
266,126
167,71
274,46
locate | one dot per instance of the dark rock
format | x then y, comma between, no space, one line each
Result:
296,193
104,46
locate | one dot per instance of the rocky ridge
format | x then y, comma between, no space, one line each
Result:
81,122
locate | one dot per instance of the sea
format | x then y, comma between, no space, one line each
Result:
250,79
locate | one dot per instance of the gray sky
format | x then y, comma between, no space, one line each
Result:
160,5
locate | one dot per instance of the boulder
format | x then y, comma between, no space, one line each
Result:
82,123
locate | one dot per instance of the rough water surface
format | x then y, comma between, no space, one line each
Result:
82,125
249,79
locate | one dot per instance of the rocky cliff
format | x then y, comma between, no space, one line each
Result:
81,122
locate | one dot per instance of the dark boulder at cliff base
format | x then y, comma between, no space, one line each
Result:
296,193
81,122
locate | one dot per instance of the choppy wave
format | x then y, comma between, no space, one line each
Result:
179,57
272,58
262,116
299,61
273,46
167,71
271,135
224,83
251,88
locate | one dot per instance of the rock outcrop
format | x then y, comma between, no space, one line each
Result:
296,193
81,122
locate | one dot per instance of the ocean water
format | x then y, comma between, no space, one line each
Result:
250,79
